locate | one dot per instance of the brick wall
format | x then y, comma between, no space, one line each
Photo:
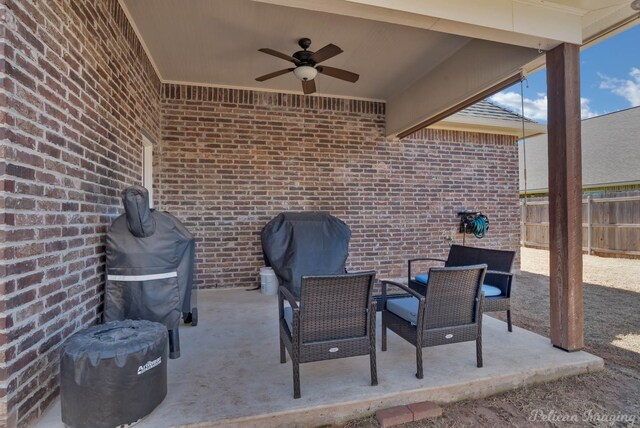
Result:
233,159
76,90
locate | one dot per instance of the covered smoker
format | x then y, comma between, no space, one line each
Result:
150,262
305,243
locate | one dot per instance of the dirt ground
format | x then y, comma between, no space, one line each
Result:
612,331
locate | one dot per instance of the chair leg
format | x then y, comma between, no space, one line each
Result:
295,361
419,373
479,342
372,351
509,320
283,354
296,378
384,336
374,367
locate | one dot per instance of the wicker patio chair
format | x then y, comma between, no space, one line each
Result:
450,311
498,281
336,318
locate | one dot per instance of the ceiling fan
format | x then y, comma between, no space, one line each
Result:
306,65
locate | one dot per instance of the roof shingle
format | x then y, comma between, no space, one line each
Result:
489,110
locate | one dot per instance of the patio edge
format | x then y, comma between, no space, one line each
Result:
340,413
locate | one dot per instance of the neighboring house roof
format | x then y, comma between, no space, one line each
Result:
488,110
610,153
490,118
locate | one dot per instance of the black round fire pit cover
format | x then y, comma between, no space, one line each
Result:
113,374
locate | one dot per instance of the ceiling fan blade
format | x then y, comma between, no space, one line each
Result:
274,74
325,53
308,86
279,55
338,73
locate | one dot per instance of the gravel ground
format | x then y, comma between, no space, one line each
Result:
612,331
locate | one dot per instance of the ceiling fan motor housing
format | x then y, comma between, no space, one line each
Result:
304,57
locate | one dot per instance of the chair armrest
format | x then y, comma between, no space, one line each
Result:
479,310
509,275
372,311
499,272
284,292
402,287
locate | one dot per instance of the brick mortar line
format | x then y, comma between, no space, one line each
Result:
43,140
40,326
68,90
81,92
122,41
48,352
14,309
37,257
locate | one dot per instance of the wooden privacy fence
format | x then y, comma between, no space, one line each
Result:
610,225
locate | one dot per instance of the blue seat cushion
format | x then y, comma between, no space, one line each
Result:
424,278
489,290
404,307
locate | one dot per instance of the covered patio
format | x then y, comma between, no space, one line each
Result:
229,373
98,96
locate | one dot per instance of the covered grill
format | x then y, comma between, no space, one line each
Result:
305,243
150,261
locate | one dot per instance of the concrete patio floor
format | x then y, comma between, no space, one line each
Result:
229,372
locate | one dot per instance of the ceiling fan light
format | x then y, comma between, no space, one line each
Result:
635,5
305,72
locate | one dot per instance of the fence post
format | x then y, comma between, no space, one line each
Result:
523,223
589,222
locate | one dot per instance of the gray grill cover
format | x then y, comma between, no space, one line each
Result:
305,243
141,242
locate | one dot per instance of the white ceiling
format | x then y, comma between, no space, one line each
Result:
423,57
217,42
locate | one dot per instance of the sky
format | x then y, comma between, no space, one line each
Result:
609,80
